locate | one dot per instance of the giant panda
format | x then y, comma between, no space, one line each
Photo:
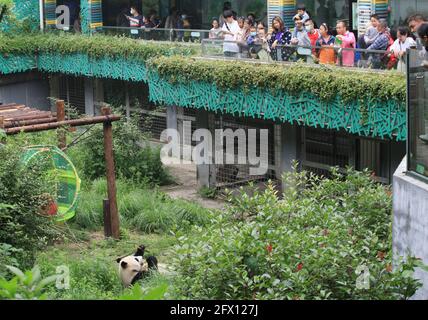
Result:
134,267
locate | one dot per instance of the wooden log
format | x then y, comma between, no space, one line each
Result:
27,116
107,219
8,106
2,122
55,125
15,123
111,175
60,114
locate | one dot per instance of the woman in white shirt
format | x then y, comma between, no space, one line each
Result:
230,31
400,46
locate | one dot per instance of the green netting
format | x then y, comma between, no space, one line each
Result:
16,63
24,11
83,65
384,119
66,178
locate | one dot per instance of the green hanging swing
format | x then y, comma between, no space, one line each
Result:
67,180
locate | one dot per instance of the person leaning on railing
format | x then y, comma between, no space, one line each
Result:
277,40
257,43
301,39
326,54
230,31
423,36
313,33
400,46
345,39
215,32
382,42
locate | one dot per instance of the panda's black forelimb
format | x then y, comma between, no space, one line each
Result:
152,263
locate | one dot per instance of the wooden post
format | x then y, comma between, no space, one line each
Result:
111,176
2,127
60,114
107,219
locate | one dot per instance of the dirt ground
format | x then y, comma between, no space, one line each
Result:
186,186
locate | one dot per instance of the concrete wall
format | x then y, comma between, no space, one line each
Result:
410,228
32,93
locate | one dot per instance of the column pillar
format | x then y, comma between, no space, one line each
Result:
53,90
89,97
98,95
206,173
289,149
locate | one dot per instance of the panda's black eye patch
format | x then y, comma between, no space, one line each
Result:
137,260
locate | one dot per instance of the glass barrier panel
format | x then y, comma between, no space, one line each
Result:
418,112
329,55
158,34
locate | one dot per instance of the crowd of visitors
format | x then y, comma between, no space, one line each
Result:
245,37
383,47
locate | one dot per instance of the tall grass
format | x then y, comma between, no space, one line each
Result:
141,208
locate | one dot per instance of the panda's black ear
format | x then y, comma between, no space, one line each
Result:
118,260
123,265
140,251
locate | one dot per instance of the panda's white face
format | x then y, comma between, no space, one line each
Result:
130,267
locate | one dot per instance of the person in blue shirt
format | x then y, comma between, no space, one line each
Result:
380,43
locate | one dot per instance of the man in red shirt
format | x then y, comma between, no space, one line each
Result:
313,33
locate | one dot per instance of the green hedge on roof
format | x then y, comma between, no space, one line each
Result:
96,46
325,82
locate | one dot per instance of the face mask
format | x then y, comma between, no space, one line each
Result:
253,33
132,11
308,28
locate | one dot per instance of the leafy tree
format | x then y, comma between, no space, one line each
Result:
23,190
324,239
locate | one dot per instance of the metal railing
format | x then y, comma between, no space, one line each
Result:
218,48
158,34
329,55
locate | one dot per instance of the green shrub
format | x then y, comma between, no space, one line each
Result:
27,285
22,190
311,244
135,160
8,258
140,207
208,193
